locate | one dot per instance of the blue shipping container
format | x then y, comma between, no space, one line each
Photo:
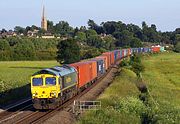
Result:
100,66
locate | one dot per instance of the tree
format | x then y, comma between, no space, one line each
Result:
92,25
123,38
5,51
90,53
177,47
50,27
109,27
90,33
109,42
3,30
135,42
95,40
24,50
144,25
81,37
68,51
63,28
19,30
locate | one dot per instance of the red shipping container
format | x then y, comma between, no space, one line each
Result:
112,58
155,49
87,71
123,53
93,68
108,59
105,58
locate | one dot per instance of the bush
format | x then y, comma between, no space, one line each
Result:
137,66
123,63
131,105
177,47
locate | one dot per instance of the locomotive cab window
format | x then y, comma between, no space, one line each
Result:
37,82
50,81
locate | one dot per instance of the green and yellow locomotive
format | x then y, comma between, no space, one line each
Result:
52,86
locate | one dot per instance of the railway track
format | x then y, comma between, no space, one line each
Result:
15,110
37,117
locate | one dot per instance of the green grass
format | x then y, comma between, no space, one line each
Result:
120,102
162,76
16,74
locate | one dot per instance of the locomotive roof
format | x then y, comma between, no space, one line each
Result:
57,70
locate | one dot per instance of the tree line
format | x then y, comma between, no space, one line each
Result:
23,48
91,40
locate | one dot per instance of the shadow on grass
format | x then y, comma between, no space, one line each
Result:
23,67
14,95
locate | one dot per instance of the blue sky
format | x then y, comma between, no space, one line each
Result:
164,13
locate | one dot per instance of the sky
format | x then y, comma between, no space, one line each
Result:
164,13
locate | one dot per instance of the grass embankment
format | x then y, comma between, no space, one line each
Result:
161,104
120,103
15,77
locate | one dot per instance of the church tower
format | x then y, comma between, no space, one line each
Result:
44,21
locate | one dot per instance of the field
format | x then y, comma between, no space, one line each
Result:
16,74
162,77
121,103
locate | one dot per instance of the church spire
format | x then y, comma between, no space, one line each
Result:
43,14
44,21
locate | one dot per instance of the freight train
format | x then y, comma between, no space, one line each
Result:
51,87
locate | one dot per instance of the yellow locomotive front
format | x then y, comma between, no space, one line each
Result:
45,89
51,87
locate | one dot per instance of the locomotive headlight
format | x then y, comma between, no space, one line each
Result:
53,93
34,94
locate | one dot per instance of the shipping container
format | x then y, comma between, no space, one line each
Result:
136,50
155,49
162,49
149,50
124,52
93,68
87,72
145,50
132,50
121,54
100,66
110,58
116,55
129,52
105,58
